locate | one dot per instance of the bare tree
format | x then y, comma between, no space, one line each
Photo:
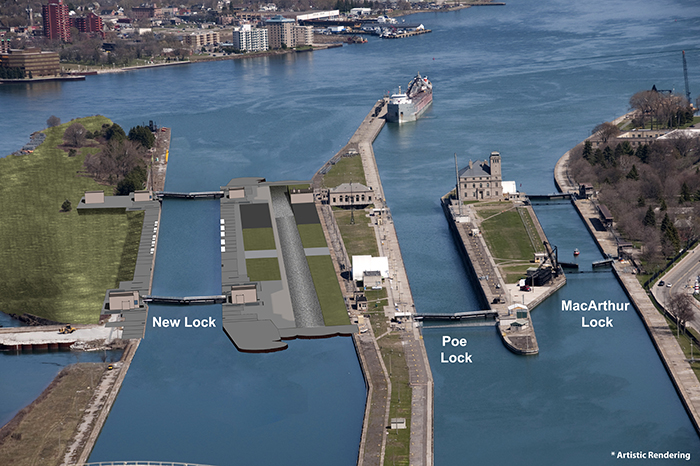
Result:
681,307
115,161
53,121
605,131
645,103
75,135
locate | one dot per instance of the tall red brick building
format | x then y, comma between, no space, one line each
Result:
56,20
89,24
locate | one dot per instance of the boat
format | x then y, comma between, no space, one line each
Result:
410,105
576,252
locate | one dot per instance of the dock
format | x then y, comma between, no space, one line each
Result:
514,326
403,35
379,387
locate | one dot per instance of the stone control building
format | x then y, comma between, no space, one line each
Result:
481,180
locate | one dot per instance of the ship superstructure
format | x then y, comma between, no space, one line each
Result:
410,105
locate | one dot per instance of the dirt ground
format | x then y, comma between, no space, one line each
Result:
39,434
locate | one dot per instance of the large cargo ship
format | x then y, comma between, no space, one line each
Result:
410,105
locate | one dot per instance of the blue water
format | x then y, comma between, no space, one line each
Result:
528,79
26,375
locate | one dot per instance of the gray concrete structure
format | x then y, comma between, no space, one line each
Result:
133,320
283,309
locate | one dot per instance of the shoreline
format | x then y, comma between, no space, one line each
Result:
667,347
94,70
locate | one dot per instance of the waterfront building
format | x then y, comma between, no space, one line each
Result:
481,180
635,137
328,15
360,11
303,35
56,21
4,45
280,31
202,39
349,195
33,61
250,39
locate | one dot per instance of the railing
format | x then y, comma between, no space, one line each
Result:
215,299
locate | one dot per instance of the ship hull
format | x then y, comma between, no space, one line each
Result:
411,111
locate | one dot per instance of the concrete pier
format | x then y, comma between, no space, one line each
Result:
517,334
374,433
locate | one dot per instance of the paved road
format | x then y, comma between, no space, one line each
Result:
682,278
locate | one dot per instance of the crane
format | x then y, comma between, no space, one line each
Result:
685,75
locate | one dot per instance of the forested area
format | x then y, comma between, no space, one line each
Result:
652,189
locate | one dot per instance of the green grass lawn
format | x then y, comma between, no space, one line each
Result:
347,170
359,238
258,239
328,290
399,440
513,273
58,265
267,268
505,235
312,235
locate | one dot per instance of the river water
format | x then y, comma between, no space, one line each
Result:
529,80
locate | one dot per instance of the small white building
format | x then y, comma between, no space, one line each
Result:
362,264
361,11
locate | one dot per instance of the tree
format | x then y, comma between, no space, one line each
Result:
643,153
685,194
587,150
680,307
669,234
645,103
142,135
134,181
633,173
609,159
114,132
75,135
53,121
605,131
66,206
649,218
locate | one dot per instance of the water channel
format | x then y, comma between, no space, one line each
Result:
529,80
